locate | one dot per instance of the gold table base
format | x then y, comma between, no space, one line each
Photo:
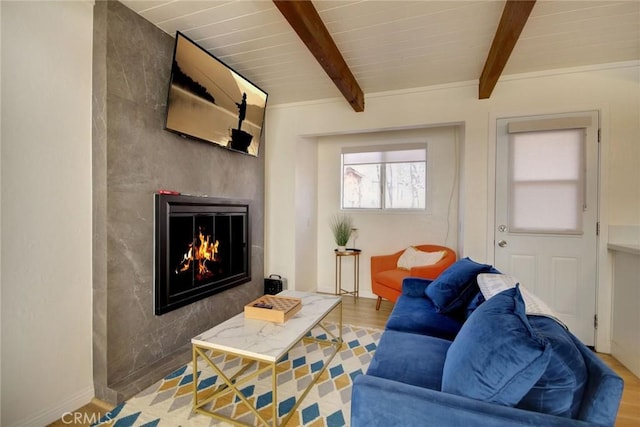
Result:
234,382
355,253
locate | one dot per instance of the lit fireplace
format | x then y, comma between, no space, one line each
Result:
201,258
202,248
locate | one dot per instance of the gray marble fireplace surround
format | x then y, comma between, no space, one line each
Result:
133,157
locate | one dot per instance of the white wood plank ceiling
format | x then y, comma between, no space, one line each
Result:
397,44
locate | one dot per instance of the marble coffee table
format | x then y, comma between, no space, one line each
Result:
265,343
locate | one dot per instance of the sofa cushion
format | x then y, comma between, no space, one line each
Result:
410,358
412,257
419,316
474,304
496,357
456,286
560,389
392,278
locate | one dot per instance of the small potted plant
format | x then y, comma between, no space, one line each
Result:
341,227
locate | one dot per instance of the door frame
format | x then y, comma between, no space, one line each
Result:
604,289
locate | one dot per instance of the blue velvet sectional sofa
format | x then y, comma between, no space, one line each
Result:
450,358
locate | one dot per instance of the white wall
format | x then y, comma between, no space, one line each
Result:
382,233
46,210
613,89
306,182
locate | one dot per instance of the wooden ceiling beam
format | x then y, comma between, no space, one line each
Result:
514,17
305,20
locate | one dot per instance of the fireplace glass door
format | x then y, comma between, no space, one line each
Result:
201,248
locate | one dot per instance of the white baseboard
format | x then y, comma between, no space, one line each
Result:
62,410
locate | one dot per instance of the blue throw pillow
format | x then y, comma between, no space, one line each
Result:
496,357
456,286
560,389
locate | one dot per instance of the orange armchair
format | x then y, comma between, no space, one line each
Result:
386,277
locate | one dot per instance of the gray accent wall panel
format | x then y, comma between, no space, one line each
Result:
134,157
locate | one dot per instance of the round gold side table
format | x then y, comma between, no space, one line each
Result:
355,253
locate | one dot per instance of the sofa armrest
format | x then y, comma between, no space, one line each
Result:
415,286
381,402
603,393
384,262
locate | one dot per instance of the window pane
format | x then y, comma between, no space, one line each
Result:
384,177
405,185
361,186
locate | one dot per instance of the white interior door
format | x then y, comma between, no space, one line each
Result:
546,212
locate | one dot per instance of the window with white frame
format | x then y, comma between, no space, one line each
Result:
385,177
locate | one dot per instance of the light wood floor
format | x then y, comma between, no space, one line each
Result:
362,312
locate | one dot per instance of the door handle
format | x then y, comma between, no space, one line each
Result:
502,243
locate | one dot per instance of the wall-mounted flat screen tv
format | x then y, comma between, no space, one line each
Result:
211,102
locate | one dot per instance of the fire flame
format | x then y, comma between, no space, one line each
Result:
206,253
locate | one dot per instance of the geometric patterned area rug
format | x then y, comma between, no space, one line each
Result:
168,403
